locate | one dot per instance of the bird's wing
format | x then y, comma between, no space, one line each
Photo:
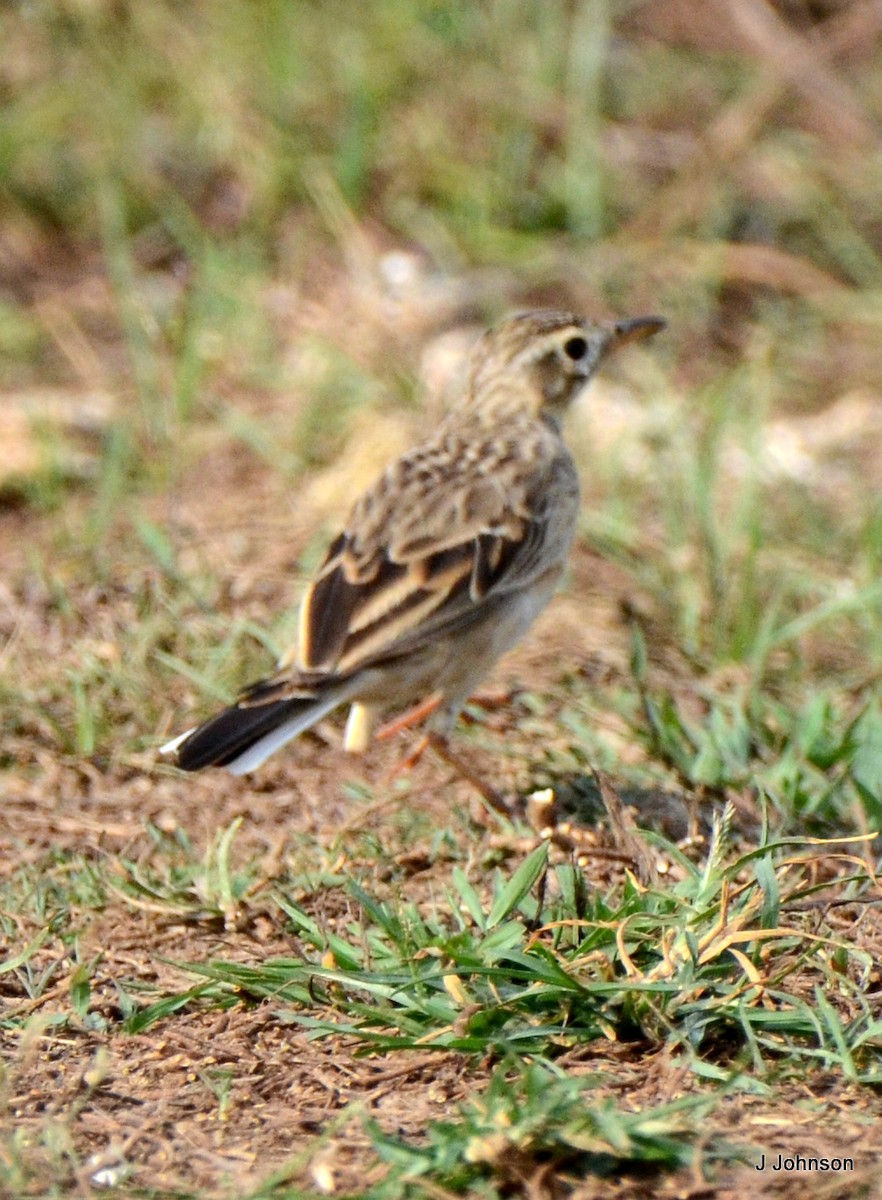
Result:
455,522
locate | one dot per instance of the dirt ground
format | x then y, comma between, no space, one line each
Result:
221,1102
156,1100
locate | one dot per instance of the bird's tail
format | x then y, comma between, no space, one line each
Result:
263,719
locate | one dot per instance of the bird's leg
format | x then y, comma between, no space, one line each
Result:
412,717
441,745
419,712
410,760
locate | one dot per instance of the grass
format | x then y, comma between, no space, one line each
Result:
724,989
198,206
706,969
741,970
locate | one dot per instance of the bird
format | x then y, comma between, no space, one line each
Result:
443,563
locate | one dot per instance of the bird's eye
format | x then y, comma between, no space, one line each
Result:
575,348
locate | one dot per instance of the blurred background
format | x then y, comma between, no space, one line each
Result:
182,182
243,247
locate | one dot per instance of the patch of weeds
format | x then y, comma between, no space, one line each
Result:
816,758
727,962
533,1118
29,973
55,887
41,914
211,889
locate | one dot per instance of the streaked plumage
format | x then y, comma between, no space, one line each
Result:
445,562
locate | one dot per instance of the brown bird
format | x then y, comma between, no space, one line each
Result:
444,563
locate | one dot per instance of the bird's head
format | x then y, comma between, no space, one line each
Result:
545,358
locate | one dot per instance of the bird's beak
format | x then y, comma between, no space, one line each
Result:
634,329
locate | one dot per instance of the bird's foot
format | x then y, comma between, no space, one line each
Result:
407,720
494,799
441,746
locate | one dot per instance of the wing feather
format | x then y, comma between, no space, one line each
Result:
443,530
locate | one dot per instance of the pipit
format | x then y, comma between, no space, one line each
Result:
444,563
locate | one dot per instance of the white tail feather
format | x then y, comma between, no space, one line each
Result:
257,754
171,747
